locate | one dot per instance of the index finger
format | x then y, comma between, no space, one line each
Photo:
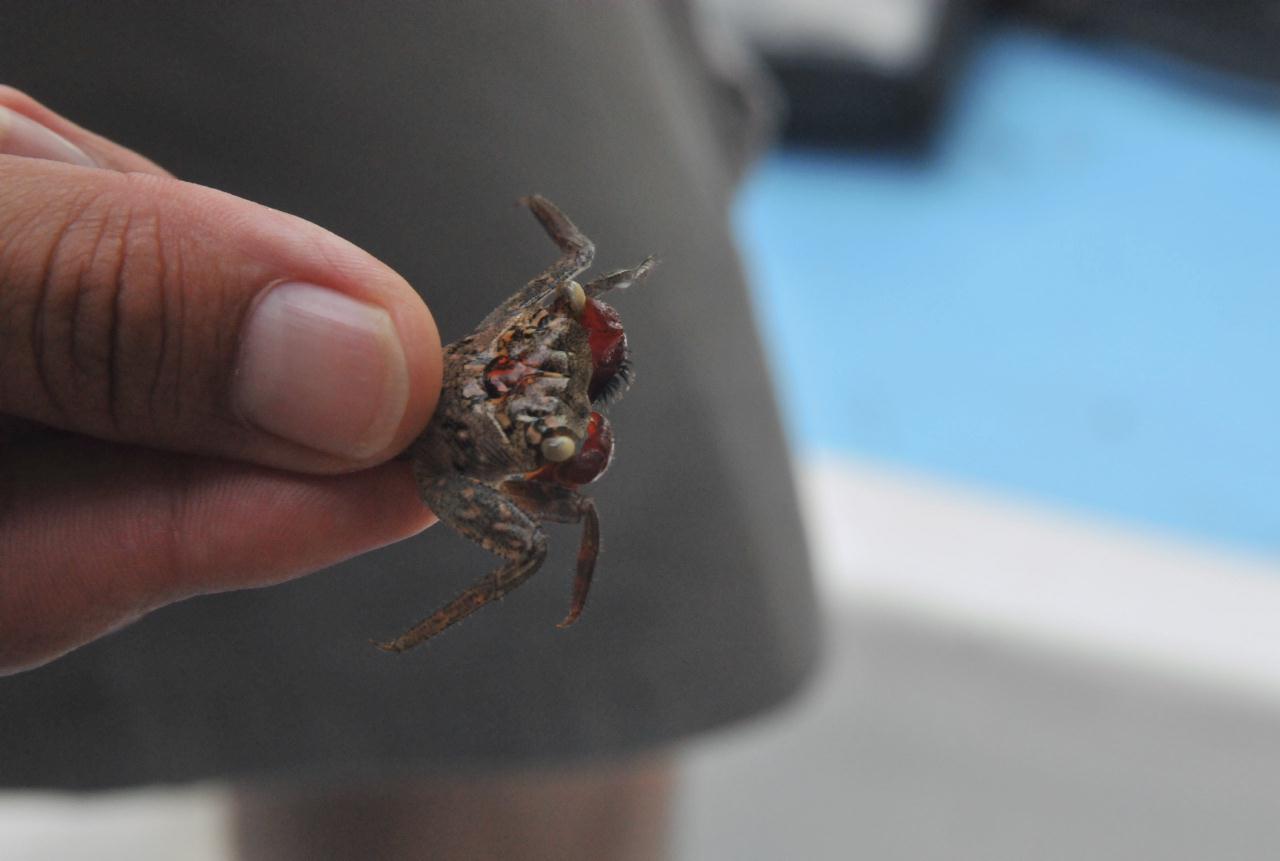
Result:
102,152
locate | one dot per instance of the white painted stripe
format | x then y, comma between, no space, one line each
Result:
176,823
893,35
885,537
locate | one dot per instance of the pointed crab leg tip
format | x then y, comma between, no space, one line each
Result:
640,273
568,621
391,647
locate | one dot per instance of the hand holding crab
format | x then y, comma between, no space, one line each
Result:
516,434
174,430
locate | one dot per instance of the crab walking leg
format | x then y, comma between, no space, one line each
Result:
496,523
620,280
559,504
578,252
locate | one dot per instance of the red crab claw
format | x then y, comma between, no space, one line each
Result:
591,461
609,359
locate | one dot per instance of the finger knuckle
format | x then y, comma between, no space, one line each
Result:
102,340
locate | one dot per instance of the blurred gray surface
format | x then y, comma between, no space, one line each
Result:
920,741
925,741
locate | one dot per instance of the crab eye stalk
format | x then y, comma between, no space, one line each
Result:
558,448
588,463
574,296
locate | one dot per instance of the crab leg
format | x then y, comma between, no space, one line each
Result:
577,254
620,280
483,514
578,249
559,504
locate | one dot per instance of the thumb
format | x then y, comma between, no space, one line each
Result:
140,309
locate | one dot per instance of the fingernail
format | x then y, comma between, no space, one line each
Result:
26,137
323,370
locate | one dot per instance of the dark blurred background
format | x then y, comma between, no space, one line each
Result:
878,73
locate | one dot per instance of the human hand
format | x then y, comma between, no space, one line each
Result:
197,393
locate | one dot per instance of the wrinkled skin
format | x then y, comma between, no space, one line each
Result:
517,430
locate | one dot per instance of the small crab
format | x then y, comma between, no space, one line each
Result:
516,431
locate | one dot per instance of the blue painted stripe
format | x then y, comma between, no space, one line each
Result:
1077,296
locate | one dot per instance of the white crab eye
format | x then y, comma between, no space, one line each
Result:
558,448
574,295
